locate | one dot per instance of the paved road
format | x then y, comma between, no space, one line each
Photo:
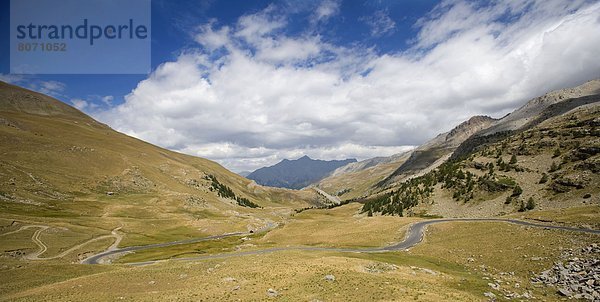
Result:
97,259
413,237
416,231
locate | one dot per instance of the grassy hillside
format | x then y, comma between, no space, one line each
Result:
355,183
451,264
61,167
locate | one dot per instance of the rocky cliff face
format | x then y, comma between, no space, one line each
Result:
434,152
532,109
468,128
467,134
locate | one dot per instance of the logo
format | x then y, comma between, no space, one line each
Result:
86,37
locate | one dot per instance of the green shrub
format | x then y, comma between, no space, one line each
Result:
226,192
517,191
544,178
556,153
506,181
530,204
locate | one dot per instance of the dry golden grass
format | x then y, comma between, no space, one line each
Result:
56,170
585,216
294,275
360,182
339,227
493,249
58,164
297,275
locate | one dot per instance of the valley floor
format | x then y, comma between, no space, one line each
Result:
460,261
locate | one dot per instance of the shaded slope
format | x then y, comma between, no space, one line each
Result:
437,150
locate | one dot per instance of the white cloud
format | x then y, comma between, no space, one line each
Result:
255,26
212,39
11,78
80,104
264,95
92,104
107,99
380,23
325,10
287,50
51,88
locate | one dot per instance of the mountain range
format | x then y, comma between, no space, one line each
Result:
296,174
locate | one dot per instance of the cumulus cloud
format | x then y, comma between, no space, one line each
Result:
80,104
107,99
249,95
210,38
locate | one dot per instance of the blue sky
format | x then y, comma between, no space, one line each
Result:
248,83
174,21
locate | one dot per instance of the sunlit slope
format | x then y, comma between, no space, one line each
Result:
357,179
51,151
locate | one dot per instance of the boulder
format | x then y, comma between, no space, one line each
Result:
272,293
330,278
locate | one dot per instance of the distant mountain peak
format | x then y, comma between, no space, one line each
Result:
298,173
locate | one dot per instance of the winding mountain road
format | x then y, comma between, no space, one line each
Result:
98,258
413,236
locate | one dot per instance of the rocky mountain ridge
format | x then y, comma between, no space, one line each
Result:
296,174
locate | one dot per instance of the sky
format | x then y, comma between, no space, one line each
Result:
249,83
